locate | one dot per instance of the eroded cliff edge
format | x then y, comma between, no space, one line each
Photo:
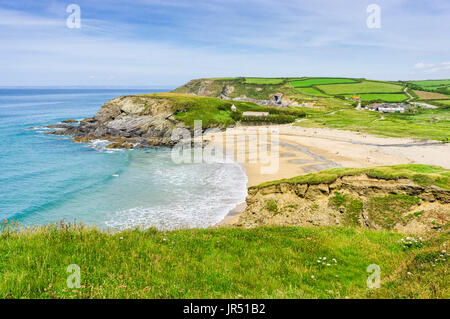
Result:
360,200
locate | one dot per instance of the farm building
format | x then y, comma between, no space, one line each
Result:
388,107
255,113
355,98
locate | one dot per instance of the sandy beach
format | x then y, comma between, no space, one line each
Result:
309,150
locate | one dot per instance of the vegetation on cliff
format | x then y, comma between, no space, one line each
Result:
214,111
405,198
424,175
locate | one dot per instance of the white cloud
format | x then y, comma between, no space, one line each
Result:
432,68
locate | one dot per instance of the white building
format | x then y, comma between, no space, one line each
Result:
250,113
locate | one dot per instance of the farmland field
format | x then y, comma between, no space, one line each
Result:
431,83
424,95
362,87
422,125
319,81
311,91
396,97
263,81
445,102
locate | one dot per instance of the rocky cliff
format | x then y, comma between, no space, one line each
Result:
360,201
128,122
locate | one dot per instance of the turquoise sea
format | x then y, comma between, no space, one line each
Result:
46,179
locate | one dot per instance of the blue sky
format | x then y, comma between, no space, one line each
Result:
168,42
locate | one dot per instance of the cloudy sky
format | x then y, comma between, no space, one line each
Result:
164,43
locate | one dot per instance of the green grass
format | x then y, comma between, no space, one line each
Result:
360,88
263,81
352,208
319,81
395,97
387,211
420,125
311,91
444,102
422,174
276,262
214,111
431,83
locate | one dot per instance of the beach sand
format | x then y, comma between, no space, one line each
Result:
309,150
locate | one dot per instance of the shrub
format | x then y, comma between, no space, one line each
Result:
236,116
278,119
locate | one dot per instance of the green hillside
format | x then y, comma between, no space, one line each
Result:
300,90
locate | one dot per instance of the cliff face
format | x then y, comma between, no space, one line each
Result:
359,201
128,121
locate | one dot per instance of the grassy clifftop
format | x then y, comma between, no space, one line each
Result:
275,262
424,175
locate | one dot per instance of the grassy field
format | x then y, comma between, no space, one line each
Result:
311,91
444,102
424,124
263,81
422,174
361,87
432,83
319,81
394,97
277,262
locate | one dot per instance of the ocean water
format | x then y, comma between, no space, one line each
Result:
46,179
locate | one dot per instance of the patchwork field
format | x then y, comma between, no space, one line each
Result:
319,81
361,87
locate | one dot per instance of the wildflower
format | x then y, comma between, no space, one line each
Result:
409,273
328,265
312,277
324,258
121,238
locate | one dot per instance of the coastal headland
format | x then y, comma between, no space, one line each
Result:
353,187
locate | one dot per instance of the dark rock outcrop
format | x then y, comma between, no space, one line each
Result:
128,122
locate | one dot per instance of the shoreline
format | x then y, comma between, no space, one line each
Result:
310,150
